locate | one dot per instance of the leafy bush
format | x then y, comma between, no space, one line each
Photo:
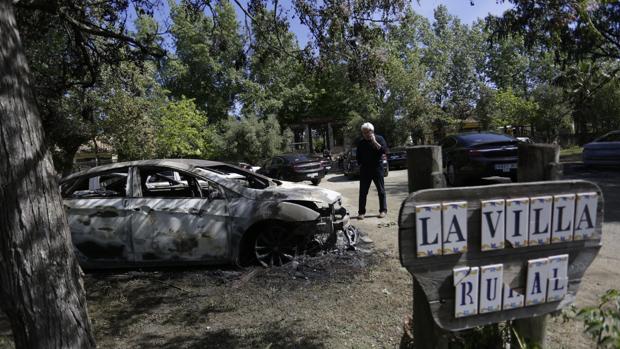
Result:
602,322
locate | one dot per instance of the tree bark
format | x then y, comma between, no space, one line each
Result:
41,288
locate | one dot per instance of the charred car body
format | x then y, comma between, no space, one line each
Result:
166,212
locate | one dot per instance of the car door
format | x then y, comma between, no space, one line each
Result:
98,218
184,221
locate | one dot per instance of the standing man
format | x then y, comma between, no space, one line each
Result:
370,150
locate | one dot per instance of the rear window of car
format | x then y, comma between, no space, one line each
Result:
298,157
477,138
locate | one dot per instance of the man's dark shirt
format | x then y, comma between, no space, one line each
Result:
367,155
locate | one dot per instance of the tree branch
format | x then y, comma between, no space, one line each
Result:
97,31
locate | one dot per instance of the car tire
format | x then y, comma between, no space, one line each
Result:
453,177
315,181
274,245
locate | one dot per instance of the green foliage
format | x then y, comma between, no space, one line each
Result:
182,131
366,61
510,109
127,100
602,322
553,113
251,139
209,60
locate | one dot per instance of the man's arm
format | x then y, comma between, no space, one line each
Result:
384,147
379,143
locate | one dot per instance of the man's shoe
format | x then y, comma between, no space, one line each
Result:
360,217
382,214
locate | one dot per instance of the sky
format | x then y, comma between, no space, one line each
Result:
459,8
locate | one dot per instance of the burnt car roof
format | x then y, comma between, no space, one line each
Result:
181,164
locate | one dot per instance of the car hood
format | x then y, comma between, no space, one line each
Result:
295,191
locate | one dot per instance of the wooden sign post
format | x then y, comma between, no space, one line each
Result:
482,255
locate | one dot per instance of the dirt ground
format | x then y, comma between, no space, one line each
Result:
339,300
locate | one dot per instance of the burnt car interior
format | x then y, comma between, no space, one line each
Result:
241,176
111,184
168,186
164,182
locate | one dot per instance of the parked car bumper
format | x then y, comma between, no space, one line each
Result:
305,176
481,169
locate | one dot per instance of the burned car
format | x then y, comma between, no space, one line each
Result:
166,212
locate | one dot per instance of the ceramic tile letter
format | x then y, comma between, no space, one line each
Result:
454,227
466,291
540,220
585,215
513,298
517,221
536,286
563,218
428,230
492,220
491,281
558,278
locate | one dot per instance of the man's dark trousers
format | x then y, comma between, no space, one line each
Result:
367,175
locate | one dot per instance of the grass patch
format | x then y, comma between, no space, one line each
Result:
571,151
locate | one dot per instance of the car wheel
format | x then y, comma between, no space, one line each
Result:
275,246
453,177
315,181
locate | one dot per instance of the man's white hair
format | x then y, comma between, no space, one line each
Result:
367,126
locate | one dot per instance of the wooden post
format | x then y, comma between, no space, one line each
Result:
424,170
424,167
533,330
537,162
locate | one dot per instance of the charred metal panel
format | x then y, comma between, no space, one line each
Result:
183,229
100,229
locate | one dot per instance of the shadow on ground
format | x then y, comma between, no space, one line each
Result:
267,335
340,178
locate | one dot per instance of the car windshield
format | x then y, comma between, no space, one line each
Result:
477,138
610,137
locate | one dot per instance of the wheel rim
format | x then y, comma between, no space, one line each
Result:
275,247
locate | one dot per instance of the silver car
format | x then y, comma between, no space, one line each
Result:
165,212
604,150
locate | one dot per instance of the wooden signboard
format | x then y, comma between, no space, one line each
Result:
502,252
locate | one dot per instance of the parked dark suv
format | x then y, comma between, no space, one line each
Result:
294,168
471,156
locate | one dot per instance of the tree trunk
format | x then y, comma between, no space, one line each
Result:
41,288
